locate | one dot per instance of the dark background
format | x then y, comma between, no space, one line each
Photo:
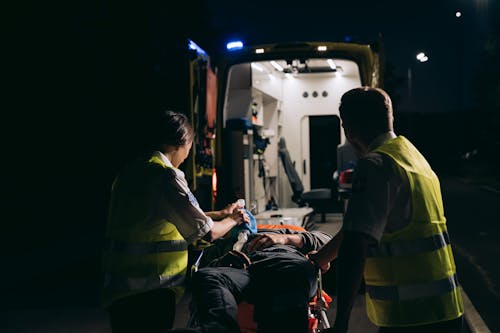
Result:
81,77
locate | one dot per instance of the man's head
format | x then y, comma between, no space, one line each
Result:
366,113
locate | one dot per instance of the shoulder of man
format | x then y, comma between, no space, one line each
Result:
373,165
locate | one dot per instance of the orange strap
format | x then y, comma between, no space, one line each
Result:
328,299
280,226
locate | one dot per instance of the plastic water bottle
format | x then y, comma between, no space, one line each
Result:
241,203
243,234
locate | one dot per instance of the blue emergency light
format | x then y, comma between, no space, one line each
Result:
193,46
234,45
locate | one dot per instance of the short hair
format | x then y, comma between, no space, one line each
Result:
173,129
368,111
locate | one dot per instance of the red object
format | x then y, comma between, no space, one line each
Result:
345,178
312,325
247,325
327,298
245,318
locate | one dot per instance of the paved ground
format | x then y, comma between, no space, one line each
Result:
94,320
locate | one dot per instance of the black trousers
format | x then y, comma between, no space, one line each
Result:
150,312
450,326
279,284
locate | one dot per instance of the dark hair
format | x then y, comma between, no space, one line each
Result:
173,129
368,111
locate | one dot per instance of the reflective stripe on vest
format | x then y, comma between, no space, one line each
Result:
412,291
410,247
146,247
121,282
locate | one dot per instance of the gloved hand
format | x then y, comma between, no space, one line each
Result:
252,226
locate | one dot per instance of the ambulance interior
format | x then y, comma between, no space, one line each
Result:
295,100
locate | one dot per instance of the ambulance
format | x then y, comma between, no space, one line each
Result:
267,121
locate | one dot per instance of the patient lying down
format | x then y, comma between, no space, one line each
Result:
271,271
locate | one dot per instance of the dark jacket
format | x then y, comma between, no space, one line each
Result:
313,240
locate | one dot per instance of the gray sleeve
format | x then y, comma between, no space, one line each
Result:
314,240
369,204
181,207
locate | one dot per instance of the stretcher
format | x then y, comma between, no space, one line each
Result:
317,312
318,305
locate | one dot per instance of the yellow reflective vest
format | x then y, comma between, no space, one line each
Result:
143,251
410,276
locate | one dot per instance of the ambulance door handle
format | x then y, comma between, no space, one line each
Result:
304,166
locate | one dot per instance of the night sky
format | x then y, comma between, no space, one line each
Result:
453,45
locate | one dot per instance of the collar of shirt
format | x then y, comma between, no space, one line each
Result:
379,140
167,162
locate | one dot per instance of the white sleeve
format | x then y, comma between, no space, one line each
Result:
370,201
181,208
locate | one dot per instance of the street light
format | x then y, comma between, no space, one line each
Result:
421,57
